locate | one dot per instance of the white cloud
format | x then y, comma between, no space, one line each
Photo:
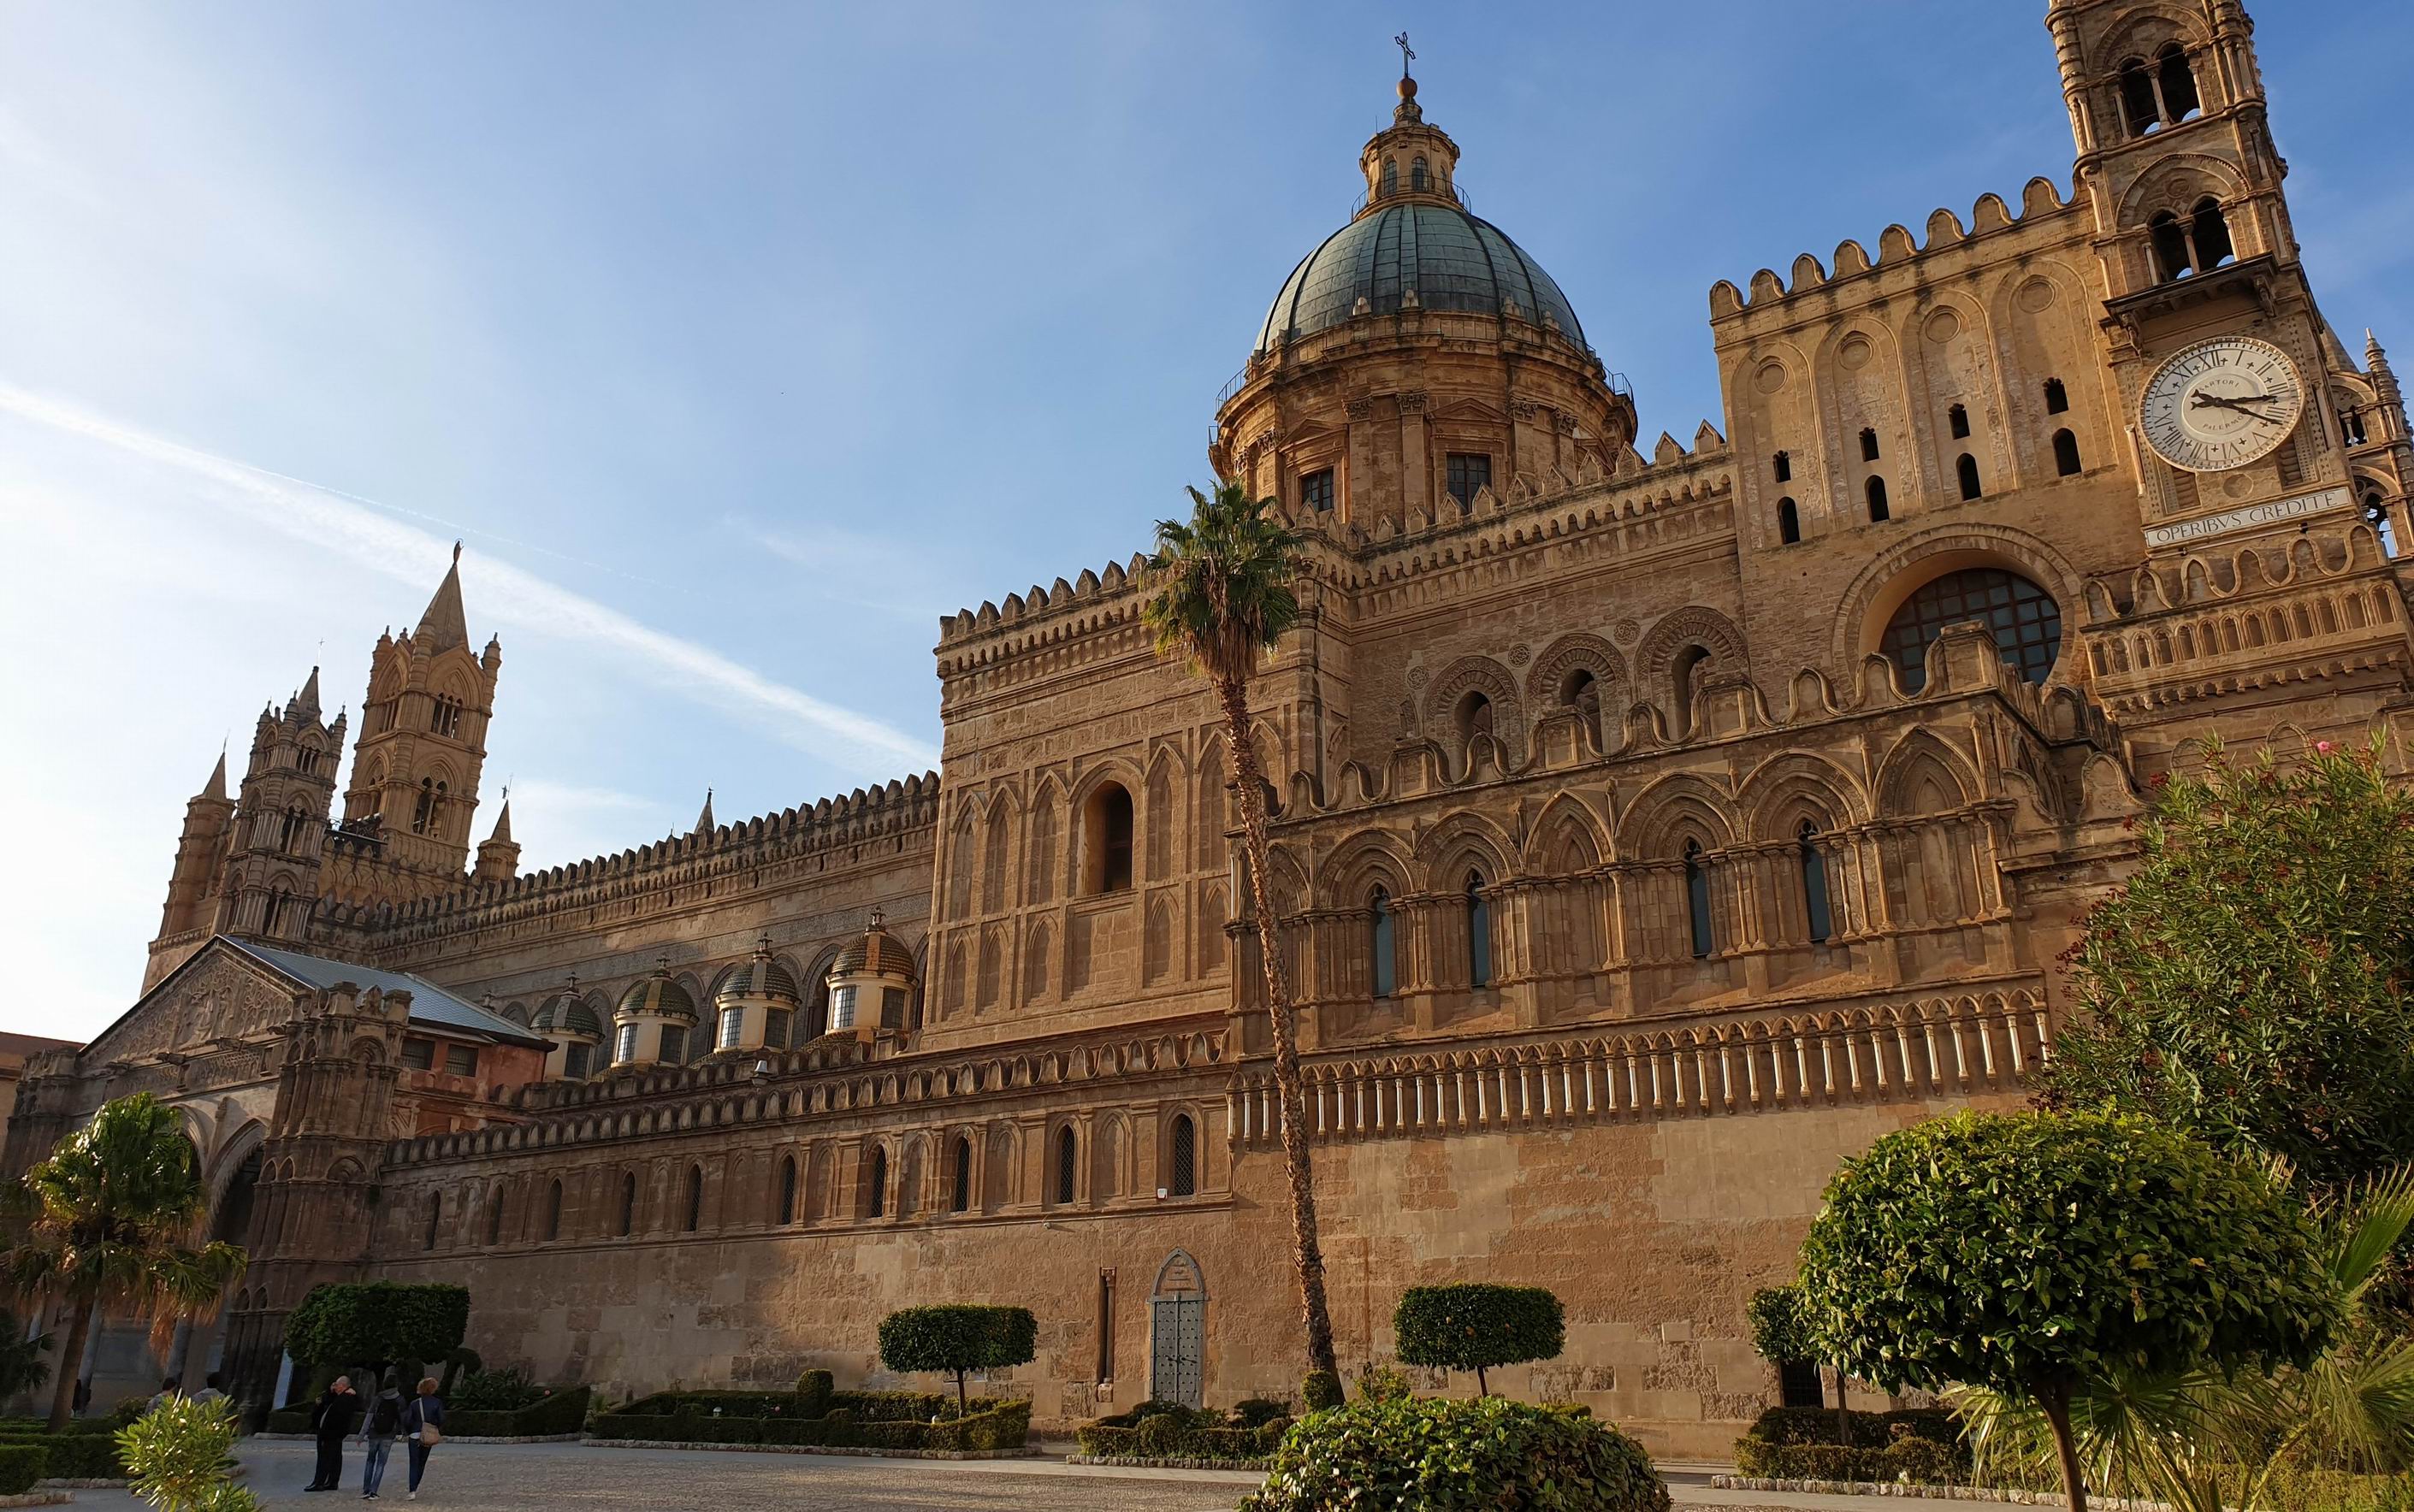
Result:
355,530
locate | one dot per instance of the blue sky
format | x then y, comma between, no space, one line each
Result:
741,342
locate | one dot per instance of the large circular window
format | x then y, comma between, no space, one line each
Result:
2026,622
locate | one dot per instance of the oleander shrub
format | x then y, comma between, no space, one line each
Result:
1321,1389
1478,1326
1440,1455
20,1465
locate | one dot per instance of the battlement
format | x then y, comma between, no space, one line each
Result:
2040,200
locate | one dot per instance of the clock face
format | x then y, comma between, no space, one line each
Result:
2221,404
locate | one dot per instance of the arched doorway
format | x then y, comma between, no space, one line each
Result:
204,1342
1177,1311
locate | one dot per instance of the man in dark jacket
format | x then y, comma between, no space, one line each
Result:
331,1422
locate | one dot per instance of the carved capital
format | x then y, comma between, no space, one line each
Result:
1525,409
1413,402
1362,409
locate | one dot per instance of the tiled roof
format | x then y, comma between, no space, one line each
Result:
429,1003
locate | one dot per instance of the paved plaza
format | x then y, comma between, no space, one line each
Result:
498,1478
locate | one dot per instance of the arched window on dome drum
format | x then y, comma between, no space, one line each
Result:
1418,178
1821,919
1182,1157
1875,490
1789,523
1478,933
694,1219
1068,1162
733,1026
2023,618
1391,178
552,1212
1380,946
875,1184
1581,691
628,1204
1966,473
624,1045
2066,455
960,1201
1697,901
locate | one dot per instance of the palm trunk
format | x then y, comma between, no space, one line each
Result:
71,1365
1307,1252
2055,1399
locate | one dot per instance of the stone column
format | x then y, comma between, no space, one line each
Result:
1417,490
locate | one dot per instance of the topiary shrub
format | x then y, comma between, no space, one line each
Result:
959,1338
20,1465
1160,1435
1450,1456
813,1393
1256,1412
1476,1326
1320,1390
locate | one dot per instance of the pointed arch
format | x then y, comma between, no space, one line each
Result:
1675,808
1922,774
1465,841
1214,914
1567,838
1156,951
1037,963
1215,806
1160,828
996,846
1777,796
1047,805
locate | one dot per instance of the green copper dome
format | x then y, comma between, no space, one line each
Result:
1453,261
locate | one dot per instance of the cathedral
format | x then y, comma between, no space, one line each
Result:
1657,823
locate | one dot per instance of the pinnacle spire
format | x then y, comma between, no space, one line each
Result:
704,825
444,624
216,786
502,823
306,701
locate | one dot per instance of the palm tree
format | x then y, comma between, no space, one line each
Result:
105,1226
1220,596
21,1366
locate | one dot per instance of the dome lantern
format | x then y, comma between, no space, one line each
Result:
871,984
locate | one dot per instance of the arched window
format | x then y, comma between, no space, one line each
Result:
495,1216
2057,398
2066,455
1869,444
695,1217
435,1218
1182,1157
273,912
1478,933
1581,691
2140,110
2025,621
1697,901
1687,669
2178,79
875,1183
1815,883
1966,473
1418,178
1390,177
2170,241
1107,840
1875,490
1781,465
290,839
628,1204
1380,947
1957,419
1474,717
552,1212
2350,425
787,1190
422,813
1789,523
1068,1162
2208,229
962,1200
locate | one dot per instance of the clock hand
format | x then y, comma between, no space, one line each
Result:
2201,400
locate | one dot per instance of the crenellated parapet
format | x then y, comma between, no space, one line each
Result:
1948,241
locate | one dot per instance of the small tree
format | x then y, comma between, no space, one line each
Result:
176,1457
2251,982
2034,1254
959,1338
21,1366
376,1324
1781,1333
1474,1326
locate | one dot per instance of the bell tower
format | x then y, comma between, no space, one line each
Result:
414,782
277,838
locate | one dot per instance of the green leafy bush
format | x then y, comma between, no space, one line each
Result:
1448,1455
1869,1431
1385,1383
558,1412
20,1465
2302,1489
1256,1412
1320,1390
1918,1461
74,1456
861,1406
1477,1325
376,1324
178,1457
495,1391
958,1338
813,1391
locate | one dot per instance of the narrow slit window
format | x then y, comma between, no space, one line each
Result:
2140,110
1479,932
2208,229
960,1200
1381,943
2178,79
1966,473
2057,397
1869,444
1068,1163
875,1184
1697,901
787,1208
628,1204
694,1198
1874,489
1959,419
552,1212
1789,522
1783,465
2170,243
1182,1157
1820,918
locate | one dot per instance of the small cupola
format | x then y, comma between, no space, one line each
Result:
756,1006
652,1023
871,984
1409,161
574,1028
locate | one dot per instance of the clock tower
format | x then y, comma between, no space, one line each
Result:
2220,358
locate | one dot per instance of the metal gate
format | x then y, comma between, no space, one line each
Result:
1178,1353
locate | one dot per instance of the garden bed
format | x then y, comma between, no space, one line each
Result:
862,1452
1131,1462
876,1421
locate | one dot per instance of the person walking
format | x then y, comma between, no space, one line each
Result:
170,1390
213,1388
382,1426
331,1422
423,1421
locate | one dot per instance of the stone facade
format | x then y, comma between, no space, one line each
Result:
1650,833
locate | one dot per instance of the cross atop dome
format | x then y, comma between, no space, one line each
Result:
1406,112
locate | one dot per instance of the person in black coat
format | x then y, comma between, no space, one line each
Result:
331,1422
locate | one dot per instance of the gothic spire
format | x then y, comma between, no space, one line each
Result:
444,624
704,825
306,701
216,786
503,822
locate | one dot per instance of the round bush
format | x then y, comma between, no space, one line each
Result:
1160,1435
1477,1326
813,1393
1320,1390
1488,1455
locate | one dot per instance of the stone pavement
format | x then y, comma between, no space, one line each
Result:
551,1478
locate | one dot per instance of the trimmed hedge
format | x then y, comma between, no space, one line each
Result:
1442,1455
561,1412
20,1465
865,1406
1477,1325
1007,1425
1922,1445
1167,1438
1870,1431
73,1456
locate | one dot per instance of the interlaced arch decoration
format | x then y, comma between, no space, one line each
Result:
1693,625
1364,860
1677,807
1477,674
1923,775
1795,786
1576,652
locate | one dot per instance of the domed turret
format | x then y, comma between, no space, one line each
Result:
756,1006
1418,362
872,984
575,1027
652,1021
